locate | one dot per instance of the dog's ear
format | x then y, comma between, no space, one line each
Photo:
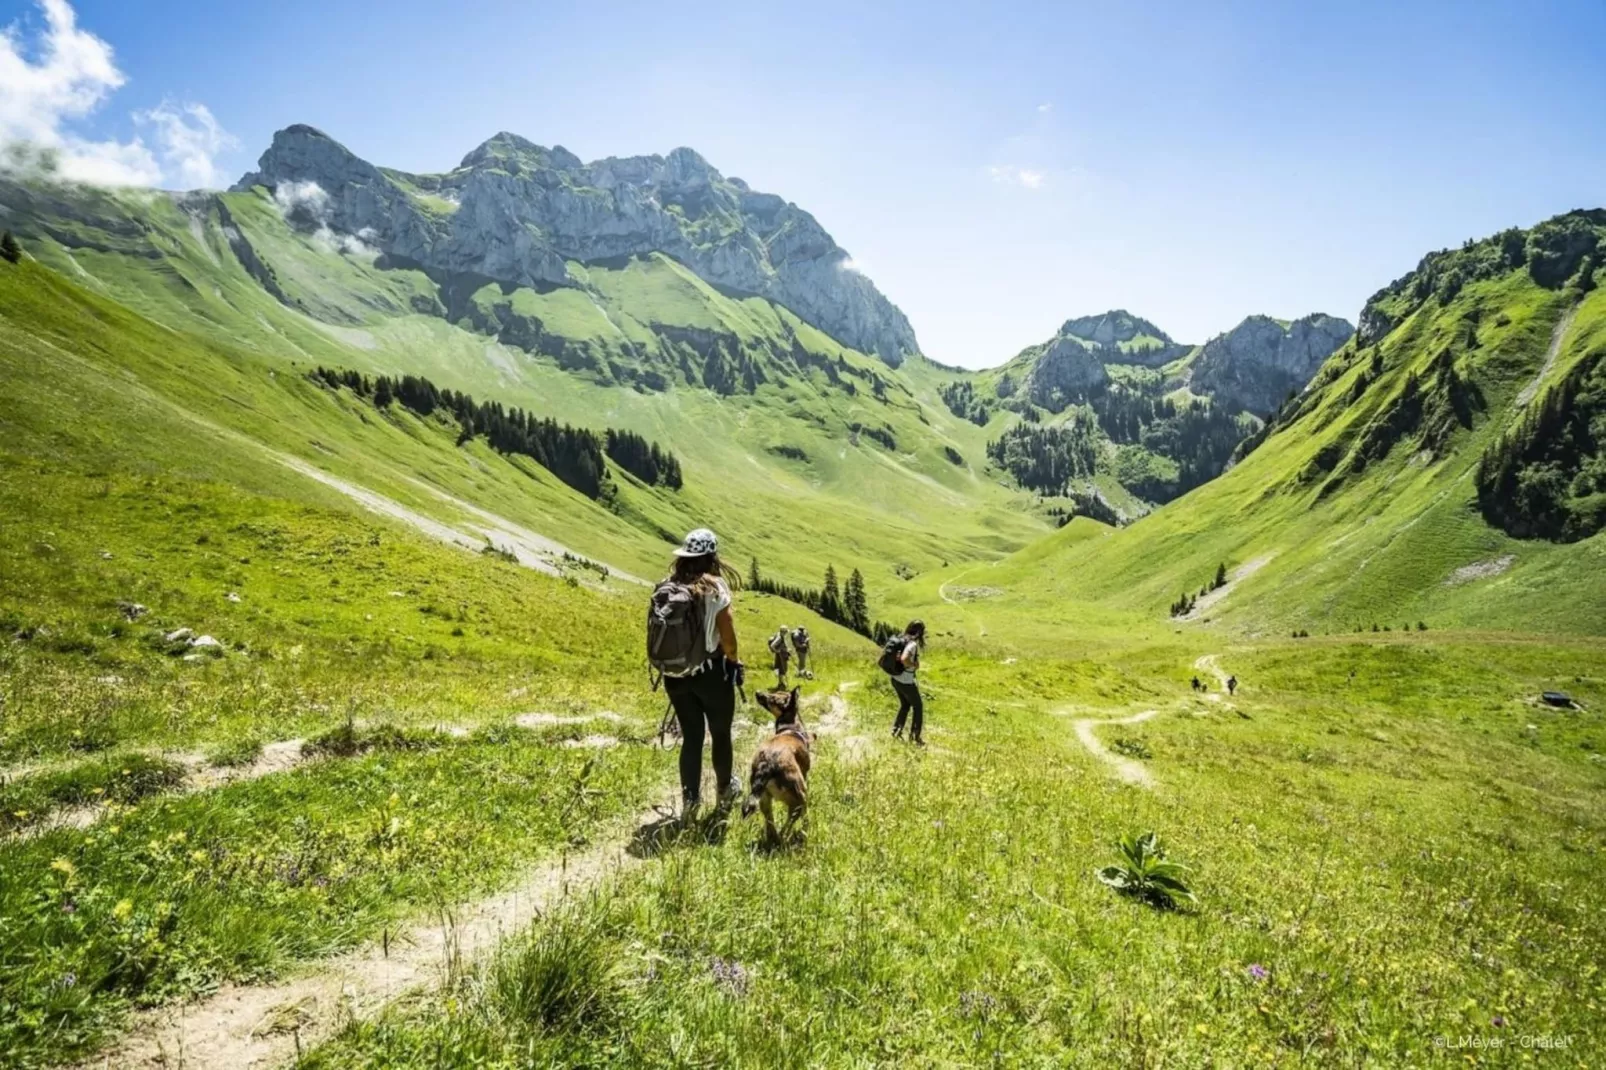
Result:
795,690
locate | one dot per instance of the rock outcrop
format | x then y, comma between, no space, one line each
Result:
1122,338
1257,364
515,212
1064,370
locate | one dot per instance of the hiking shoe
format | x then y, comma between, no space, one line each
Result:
897,733
730,793
917,741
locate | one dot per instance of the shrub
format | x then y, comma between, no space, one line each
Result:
1144,873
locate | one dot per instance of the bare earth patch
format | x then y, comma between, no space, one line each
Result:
1480,570
1210,598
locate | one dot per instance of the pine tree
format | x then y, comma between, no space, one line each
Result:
10,251
1221,575
830,597
755,582
382,393
858,612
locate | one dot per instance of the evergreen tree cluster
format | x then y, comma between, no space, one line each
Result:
1547,478
1046,459
647,461
963,401
574,454
1185,605
841,603
10,251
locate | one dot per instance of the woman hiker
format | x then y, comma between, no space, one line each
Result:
705,696
908,660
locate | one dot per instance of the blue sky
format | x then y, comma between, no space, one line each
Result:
995,168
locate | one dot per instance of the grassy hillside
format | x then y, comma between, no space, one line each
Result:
1361,505
813,458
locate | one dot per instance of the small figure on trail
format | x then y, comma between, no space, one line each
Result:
1232,685
1197,686
800,643
900,659
783,657
691,642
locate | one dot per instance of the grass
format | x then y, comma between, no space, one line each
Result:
1390,840
1357,898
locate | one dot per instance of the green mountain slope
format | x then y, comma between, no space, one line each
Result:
1360,503
822,454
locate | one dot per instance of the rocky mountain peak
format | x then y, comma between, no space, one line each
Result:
1258,363
1113,327
517,212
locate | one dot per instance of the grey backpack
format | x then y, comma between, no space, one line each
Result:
677,637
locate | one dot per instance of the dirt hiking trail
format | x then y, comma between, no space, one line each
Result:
1128,770
247,1027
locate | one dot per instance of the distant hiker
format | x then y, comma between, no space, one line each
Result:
1232,685
800,643
1197,686
783,657
900,659
691,642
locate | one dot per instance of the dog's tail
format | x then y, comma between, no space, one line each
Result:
755,792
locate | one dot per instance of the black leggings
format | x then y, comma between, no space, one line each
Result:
908,699
706,700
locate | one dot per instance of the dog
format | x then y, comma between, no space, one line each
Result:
781,767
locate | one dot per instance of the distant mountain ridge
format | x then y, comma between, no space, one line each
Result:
517,212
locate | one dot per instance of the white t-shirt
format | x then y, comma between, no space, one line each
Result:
911,662
717,598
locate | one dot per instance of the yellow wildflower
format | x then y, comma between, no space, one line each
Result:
122,910
64,867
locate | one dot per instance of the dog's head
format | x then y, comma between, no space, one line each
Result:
783,706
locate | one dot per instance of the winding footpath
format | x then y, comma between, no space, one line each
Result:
246,1027
1129,770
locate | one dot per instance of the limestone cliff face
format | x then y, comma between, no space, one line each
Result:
1258,363
515,212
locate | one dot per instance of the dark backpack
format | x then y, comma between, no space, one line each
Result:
892,655
677,637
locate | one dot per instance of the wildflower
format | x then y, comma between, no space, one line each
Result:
123,910
731,976
64,867
1257,971
1499,1021
197,857
977,1003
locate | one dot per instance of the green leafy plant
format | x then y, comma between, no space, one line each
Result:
1145,873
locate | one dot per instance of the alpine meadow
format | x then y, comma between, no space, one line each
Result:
1259,704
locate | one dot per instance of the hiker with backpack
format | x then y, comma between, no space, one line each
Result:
691,643
800,643
900,659
783,657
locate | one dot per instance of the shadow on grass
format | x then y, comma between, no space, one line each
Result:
668,832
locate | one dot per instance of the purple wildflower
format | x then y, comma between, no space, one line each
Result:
731,976
1499,1021
1258,972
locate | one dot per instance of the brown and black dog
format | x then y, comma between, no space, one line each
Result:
781,766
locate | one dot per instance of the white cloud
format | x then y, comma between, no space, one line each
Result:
72,76
847,263
307,204
190,140
1044,108
1025,177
